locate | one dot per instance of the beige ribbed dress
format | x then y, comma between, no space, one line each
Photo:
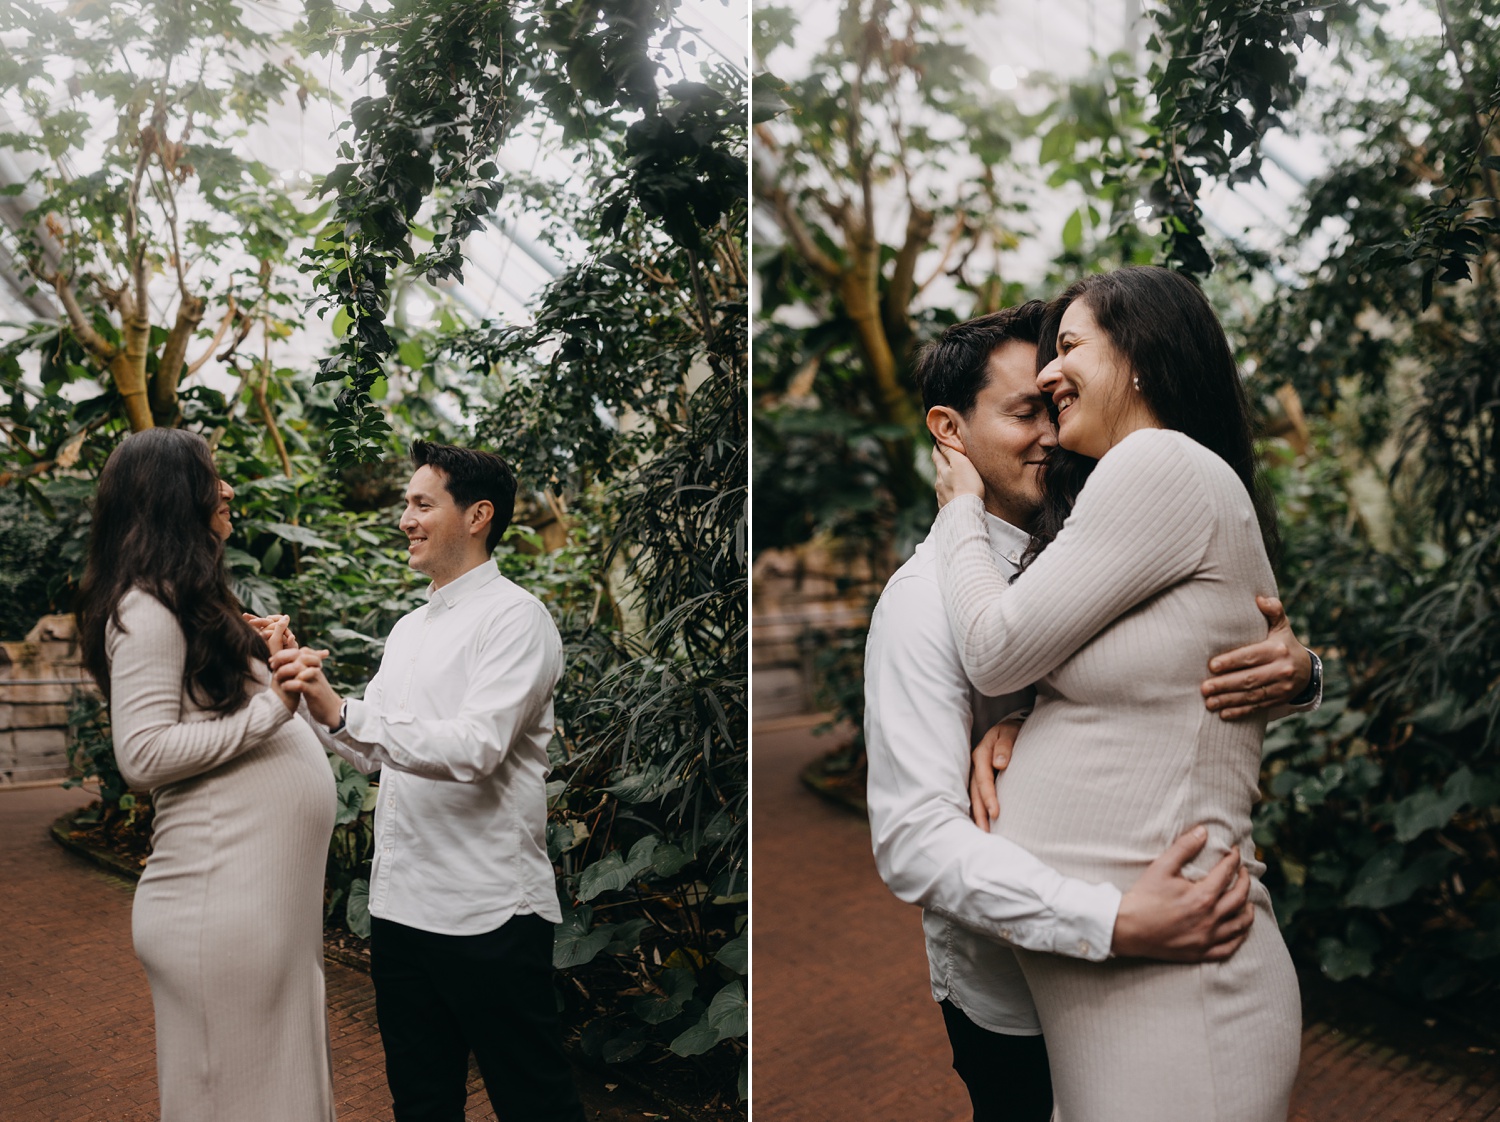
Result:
228,918
1155,572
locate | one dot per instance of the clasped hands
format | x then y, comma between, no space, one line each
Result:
297,671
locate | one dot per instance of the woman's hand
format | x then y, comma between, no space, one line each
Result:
266,628
990,756
956,475
275,637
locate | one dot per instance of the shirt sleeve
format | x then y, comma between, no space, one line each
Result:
1142,523
918,721
153,745
357,757
516,666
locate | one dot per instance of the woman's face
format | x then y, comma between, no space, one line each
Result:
220,523
1091,384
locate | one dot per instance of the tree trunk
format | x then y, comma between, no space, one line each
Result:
128,368
164,409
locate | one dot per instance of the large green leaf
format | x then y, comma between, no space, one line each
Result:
357,913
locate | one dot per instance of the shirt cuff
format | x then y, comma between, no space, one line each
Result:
1080,923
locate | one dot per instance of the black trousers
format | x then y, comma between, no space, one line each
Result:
439,997
1007,1076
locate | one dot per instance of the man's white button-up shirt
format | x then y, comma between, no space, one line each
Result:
458,718
979,892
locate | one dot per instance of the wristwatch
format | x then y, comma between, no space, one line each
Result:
344,708
1313,694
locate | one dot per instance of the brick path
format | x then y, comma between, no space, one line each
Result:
845,1029
76,1031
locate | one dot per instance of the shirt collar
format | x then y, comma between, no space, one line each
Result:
472,581
1007,541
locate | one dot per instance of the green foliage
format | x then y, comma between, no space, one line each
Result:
100,216
458,77
91,755
1226,73
26,546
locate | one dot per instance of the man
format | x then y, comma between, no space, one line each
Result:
980,893
462,895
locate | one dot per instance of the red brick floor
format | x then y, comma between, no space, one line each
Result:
845,1030
76,1033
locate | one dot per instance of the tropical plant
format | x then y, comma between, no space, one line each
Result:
155,208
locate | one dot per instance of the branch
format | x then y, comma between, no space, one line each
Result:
198,363
959,230
168,201
792,225
898,295
30,471
169,366
93,342
264,403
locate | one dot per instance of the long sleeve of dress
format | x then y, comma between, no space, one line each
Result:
1143,522
153,745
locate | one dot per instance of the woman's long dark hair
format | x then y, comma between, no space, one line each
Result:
1165,330
153,530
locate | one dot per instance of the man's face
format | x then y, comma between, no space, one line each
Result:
436,527
1007,434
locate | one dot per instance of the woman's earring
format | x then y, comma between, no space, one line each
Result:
1137,381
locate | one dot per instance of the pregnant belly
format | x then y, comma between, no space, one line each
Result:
1091,803
272,807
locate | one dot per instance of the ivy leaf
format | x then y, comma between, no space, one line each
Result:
1431,810
728,1012
357,912
1382,883
735,954
573,944
697,1039
766,101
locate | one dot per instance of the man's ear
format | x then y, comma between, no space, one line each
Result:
945,425
481,514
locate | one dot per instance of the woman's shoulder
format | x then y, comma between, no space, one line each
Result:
1163,455
1151,452
140,608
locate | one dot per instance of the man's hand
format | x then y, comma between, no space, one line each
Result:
266,627
1165,916
990,756
1262,675
299,672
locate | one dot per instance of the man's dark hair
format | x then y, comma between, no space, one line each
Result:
471,475
954,367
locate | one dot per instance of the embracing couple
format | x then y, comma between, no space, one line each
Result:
225,720
1097,934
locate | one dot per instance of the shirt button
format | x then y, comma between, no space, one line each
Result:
1083,947
1013,557
1006,932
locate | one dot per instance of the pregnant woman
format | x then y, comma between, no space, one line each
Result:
1153,572
228,914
